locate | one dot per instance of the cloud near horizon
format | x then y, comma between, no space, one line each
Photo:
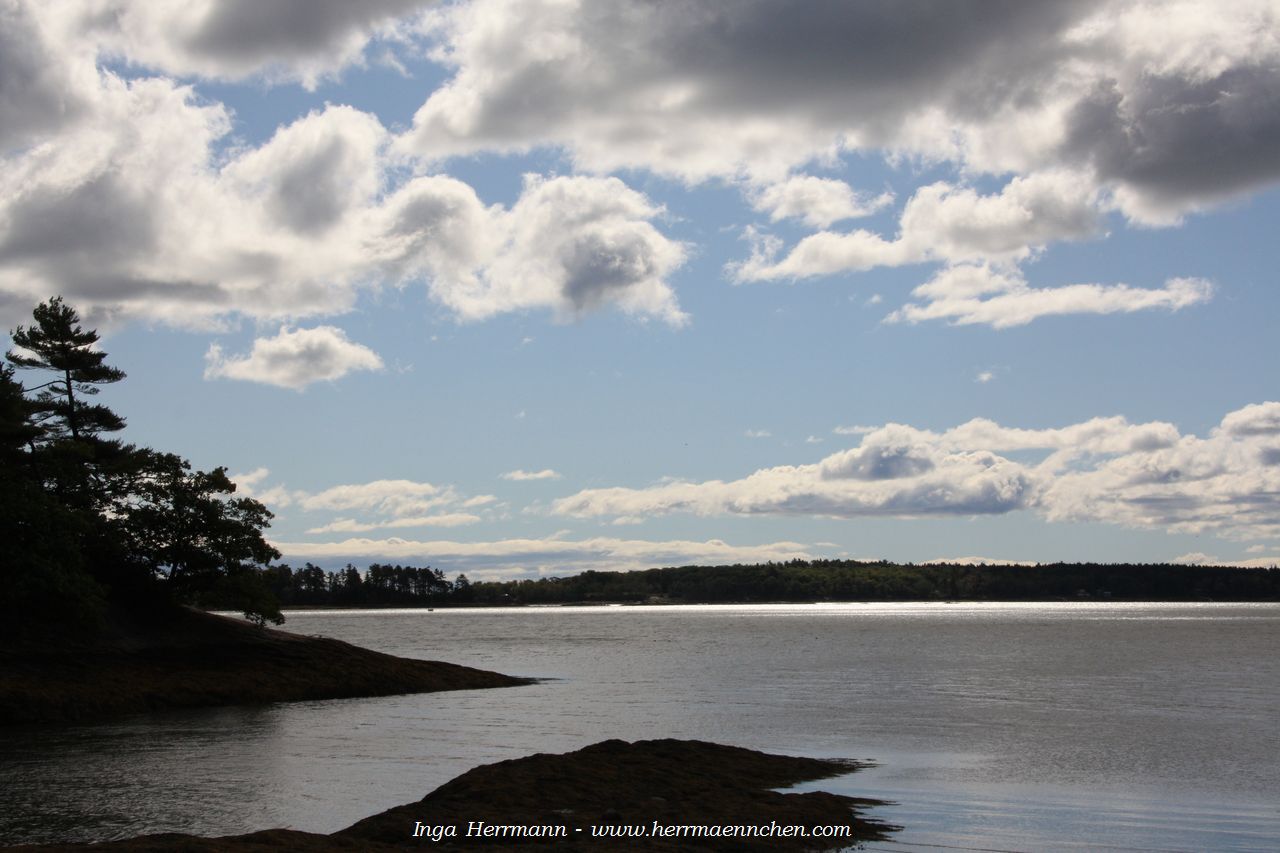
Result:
1199,558
385,504
554,555
399,504
1103,470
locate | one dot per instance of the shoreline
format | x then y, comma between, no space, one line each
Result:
640,605
680,794
193,659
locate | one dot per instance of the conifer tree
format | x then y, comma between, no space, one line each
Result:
89,517
44,582
57,343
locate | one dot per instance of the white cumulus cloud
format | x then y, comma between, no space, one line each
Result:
128,195
132,208
1103,470
397,498
944,222
284,40
569,245
1166,106
816,201
294,358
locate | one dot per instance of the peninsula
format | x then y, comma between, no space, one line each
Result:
183,658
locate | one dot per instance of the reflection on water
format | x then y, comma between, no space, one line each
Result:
1010,817
1040,726
182,771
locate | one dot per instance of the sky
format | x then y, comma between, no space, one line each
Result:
529,288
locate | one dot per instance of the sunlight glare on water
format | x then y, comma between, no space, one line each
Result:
1038,726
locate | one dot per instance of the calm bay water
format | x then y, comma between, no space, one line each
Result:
1008,726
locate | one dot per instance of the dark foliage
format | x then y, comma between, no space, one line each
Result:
45,579
56,343
378,586
843,580
88,520
795,581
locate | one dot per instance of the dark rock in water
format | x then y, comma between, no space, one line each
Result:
677,792
194,659
670,783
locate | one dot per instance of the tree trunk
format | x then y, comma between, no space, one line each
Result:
71,408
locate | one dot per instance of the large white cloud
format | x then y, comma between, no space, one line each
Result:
119,193
130,198
943,222
1106,469
958,483
395,504
314,172
816,201
568,244
131,214
1171,105
281,40
389,497
1227,482
1188,110
381,504
701,89
295,358
41,90
128,214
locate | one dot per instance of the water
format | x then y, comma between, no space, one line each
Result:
1004,726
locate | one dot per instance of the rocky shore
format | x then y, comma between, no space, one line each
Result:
195,659
658,795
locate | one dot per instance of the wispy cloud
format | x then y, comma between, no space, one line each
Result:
1199,558
521,476
856,429
554,555
348,525
969,295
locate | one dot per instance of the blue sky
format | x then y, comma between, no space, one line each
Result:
528,288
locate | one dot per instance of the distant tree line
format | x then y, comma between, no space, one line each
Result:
843,580
88,522
794,581
380,585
